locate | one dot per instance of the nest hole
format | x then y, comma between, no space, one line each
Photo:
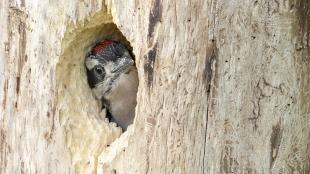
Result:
86,127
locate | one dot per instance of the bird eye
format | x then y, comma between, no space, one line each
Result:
99,70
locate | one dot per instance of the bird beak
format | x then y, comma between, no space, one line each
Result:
123,64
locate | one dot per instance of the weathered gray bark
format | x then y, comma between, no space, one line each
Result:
224,87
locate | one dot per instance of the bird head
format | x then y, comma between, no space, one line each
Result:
107,61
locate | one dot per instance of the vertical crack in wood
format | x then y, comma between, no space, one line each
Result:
210,78
5,91
17,20
155,16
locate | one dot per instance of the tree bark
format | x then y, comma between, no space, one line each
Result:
224,87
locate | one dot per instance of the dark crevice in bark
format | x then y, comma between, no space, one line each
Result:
149,65
275,141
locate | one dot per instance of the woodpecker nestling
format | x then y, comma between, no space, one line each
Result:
113,78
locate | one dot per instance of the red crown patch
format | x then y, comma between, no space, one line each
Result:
100,46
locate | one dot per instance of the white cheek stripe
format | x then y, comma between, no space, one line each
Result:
91,63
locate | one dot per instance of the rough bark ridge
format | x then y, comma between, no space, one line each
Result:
224,87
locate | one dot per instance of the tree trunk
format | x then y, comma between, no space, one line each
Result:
224,87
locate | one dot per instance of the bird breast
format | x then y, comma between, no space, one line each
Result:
122,98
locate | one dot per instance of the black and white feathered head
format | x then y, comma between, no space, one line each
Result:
107,61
